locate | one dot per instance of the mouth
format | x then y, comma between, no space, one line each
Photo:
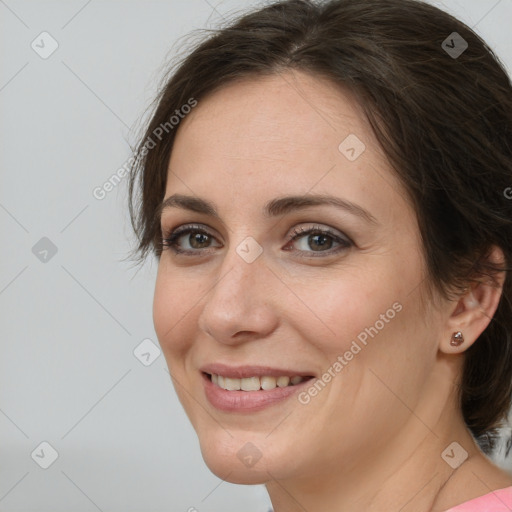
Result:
250,389
255,383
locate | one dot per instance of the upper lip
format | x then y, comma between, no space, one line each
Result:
246,371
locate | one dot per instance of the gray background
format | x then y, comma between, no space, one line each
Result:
70,321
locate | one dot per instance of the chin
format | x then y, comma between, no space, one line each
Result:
247,460
225,463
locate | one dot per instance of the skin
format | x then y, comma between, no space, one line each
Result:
372,439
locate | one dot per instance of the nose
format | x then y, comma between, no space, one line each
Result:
239,307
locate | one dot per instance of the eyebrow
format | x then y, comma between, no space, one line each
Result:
273,208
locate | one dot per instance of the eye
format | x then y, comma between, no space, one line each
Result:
197,240
314,241
318,240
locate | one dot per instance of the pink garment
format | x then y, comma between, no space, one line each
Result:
495,501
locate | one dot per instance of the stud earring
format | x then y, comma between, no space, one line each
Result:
457,339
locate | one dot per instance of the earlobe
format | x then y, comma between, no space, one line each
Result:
473,311
457,339
466,323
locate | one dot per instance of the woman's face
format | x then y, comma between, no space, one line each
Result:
340,305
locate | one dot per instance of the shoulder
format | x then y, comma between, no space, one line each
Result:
499,500
478,484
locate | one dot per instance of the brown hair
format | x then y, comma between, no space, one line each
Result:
443,120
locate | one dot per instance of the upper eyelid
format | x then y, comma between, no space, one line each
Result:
186,228
297,233
183,228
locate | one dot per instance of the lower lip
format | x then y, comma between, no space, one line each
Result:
247,401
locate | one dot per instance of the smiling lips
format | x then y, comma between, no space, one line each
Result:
249,388
266,382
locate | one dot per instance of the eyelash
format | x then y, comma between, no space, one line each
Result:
170,238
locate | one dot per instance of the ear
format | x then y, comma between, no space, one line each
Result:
474,310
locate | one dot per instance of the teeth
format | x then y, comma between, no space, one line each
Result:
249,384
282,382
231,384
268,382
255,383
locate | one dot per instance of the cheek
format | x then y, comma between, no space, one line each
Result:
172,312
343,308
369,315
382,336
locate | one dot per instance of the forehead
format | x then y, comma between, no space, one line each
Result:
252,140
288,109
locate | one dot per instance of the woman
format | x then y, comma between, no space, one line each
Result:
325,188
